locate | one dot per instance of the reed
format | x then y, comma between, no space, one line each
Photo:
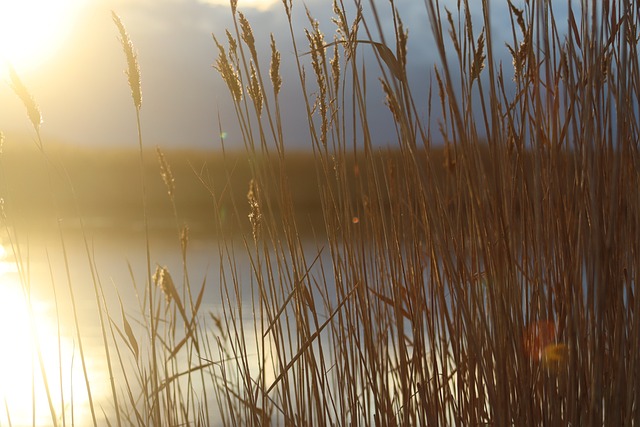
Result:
500,289
481,270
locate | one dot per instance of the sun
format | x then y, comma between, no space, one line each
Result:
31,350
31,31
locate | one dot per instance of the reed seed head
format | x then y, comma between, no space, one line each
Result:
254,90
184,238
402,40
166,174
228,72
335,69
478,58
274,70
162,279
519,57
453,33
255,216
247,35
519,13
133,68
33,111
233,45
391,101
287,8
318,62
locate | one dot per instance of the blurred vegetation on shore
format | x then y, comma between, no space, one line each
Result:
106,190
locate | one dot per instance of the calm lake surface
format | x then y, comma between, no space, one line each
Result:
33,265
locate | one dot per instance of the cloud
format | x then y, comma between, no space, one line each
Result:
261,5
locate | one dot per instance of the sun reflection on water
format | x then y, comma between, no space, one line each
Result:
33,353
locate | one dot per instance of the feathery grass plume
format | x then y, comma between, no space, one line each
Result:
166,174
33,111
478,58
287,7
519,55
234,6
233,46
274,70
453,33
401,45
519,13
247,35
255,216
318,63
228,72
347,35
335,69
163,280
254,91
519,58
391,101
184,238
133,68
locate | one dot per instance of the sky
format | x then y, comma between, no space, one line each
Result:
80,85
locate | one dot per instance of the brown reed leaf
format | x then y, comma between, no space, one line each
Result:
305,345
574,28
391,303
300,283
131,341
189,336
383,51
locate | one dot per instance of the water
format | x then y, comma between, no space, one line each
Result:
33,267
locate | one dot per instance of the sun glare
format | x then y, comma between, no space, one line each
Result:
23,395
31,31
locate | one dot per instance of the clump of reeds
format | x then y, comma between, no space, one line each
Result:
496,288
